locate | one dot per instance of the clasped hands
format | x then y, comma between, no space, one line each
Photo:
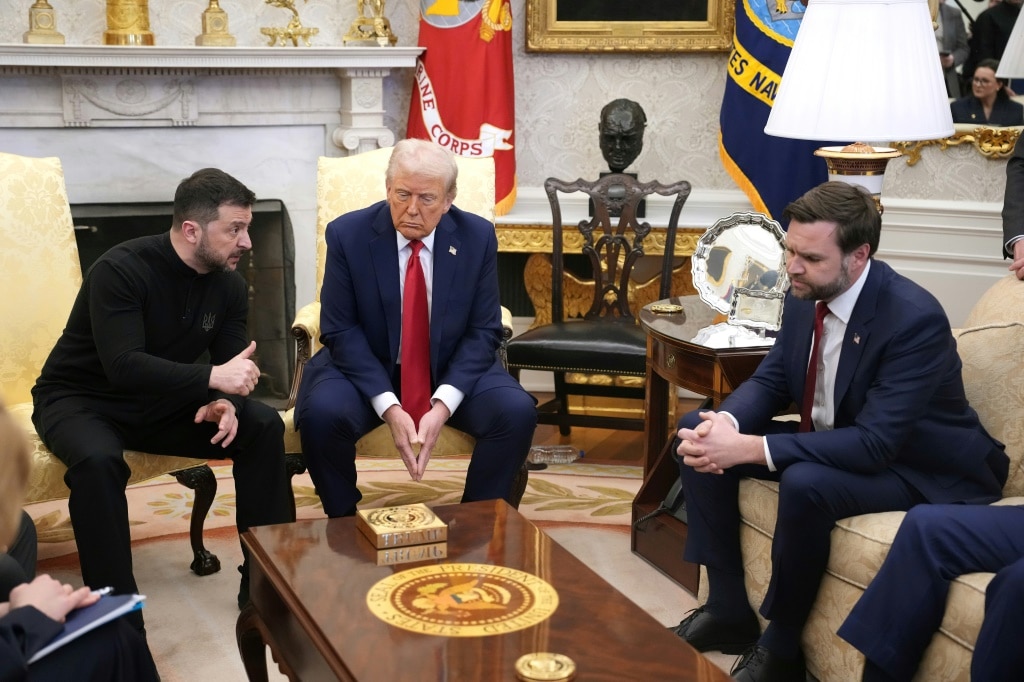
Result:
715,445
1017,266
406,435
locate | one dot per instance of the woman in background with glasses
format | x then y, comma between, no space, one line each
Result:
989,102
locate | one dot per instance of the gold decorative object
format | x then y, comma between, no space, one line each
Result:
992,143
374,28
128,23
293,32
42,25
215,27
410,524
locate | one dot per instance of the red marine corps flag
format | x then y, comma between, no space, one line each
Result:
464,97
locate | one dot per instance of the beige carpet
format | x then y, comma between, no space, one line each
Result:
190,619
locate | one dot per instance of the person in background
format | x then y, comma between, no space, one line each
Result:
885,425
989,34
989,102
1013,210
951,38
130,371
32,612
411,326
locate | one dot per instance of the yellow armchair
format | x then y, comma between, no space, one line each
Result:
349,183
40,267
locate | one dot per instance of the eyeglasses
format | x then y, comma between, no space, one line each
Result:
982,81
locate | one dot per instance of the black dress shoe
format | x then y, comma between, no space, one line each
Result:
706,632
757,664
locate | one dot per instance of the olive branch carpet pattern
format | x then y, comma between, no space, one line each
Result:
577,493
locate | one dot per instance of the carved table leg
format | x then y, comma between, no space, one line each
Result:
250,644
204,483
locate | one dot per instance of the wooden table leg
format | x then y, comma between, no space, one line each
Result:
248,633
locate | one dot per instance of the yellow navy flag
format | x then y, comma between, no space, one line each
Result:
772,171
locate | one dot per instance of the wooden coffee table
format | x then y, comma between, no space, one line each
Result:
309,585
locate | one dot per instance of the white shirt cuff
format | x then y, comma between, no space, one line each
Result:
381,403
450,396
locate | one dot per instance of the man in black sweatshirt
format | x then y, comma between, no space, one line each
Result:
130,371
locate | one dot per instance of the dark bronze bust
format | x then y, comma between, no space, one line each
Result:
622,133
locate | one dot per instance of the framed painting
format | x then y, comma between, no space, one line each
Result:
617,26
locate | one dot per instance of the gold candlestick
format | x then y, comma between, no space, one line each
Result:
42,25
215,27
128,23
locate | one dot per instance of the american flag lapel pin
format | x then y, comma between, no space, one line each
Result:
856,338
452,250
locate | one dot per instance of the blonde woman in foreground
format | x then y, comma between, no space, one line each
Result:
35,611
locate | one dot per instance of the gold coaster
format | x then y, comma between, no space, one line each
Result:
666,308
544,666
462,600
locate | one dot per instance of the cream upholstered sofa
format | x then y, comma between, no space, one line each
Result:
991,346
41,269
345,184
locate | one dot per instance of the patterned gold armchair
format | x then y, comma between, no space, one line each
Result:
349,183
40,266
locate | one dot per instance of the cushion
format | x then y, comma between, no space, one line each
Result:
46,479
615,347
990,354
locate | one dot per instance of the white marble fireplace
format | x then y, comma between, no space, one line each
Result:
129,123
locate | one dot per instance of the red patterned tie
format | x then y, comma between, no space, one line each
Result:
415,339
820,311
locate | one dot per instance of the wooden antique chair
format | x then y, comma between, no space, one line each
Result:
349,183
40,265
605,340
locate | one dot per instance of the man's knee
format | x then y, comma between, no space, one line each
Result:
264,419
97,467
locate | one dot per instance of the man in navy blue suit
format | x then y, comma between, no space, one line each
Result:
889,428
354,382
894,620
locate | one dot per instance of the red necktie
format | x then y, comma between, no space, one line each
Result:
820,311
415,339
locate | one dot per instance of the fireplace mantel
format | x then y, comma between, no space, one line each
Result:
92,86
205,58
129,122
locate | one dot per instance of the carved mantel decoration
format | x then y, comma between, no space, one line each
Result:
107,86
992,143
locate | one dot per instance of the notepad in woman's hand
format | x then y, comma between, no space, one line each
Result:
81,621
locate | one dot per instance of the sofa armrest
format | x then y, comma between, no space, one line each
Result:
306,330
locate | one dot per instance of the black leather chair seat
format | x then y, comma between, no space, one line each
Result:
599,346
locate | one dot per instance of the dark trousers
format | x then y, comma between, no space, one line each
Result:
18,563
332,415
894,621
90,441
114,651
812,497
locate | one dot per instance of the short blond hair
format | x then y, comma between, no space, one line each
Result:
14,468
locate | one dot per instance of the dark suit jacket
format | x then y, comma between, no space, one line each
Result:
954,41
1005,112
899,398
361,303
1013,198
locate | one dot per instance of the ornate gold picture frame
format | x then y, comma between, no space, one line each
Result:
616,26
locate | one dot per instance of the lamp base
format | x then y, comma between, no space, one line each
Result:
859,164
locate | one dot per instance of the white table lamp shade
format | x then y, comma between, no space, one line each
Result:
863,70
1011,65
